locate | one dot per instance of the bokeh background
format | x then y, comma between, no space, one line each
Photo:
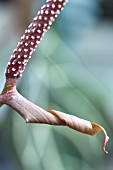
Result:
71,71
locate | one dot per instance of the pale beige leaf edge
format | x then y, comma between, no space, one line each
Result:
82,125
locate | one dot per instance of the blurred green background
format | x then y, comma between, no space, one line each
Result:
71,71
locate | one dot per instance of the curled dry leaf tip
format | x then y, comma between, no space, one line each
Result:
97,128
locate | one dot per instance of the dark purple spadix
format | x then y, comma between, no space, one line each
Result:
33,34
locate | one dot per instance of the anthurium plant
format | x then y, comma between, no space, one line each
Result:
16,66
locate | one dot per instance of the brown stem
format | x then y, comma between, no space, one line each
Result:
1,102
10,86
8,90
29,111
34,114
